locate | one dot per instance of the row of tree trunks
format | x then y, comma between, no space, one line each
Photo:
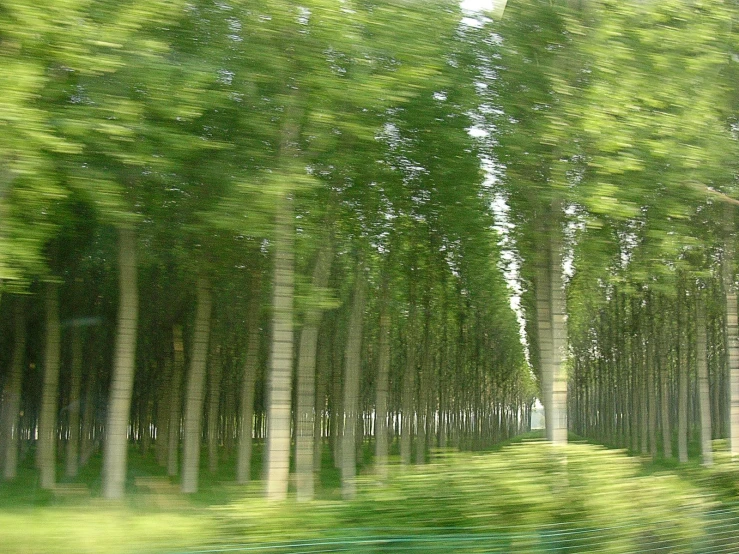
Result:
678,352
344,412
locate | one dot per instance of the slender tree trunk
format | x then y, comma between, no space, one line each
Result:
88,442
246,417
195,395
352,370
423,392
651,374
280,377
50,395
115,453
559,337
409,383
214,400
229,412
322,419
383,382
163,406
12,393
306,376
682,385
703,389
73,443
665,412
337,410
175,401
732,338
544,332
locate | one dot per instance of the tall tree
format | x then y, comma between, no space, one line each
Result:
195,392
115,451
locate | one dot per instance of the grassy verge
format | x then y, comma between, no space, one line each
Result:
521,496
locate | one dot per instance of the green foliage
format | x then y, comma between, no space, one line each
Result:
588,497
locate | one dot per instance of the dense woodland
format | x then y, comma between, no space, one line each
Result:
300,227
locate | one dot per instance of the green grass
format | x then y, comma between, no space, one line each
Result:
522,485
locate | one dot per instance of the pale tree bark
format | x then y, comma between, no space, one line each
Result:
383,381
682,384
115,452
214,400
195,394
322,390
50,395
544,332
337,410
280,376
175,401
651,374
732,336
559,336
665,389
409,383
704,399
306,376
229,412
641,366
352,372
246,417
423,386
12,393
73,443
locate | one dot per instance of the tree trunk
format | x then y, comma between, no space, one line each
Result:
704,399
214,400
306,376
115,453
337,410
12,393
246,417
559,337
409,383
175,401
195,395
280,377
544,332
424,388
89,442
229,412
732,338
322,390
651,374
352,370
163,406
50,396
665,412
73,443
383,381
682,385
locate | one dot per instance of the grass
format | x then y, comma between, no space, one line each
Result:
519,484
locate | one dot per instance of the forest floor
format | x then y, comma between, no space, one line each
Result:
515,497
